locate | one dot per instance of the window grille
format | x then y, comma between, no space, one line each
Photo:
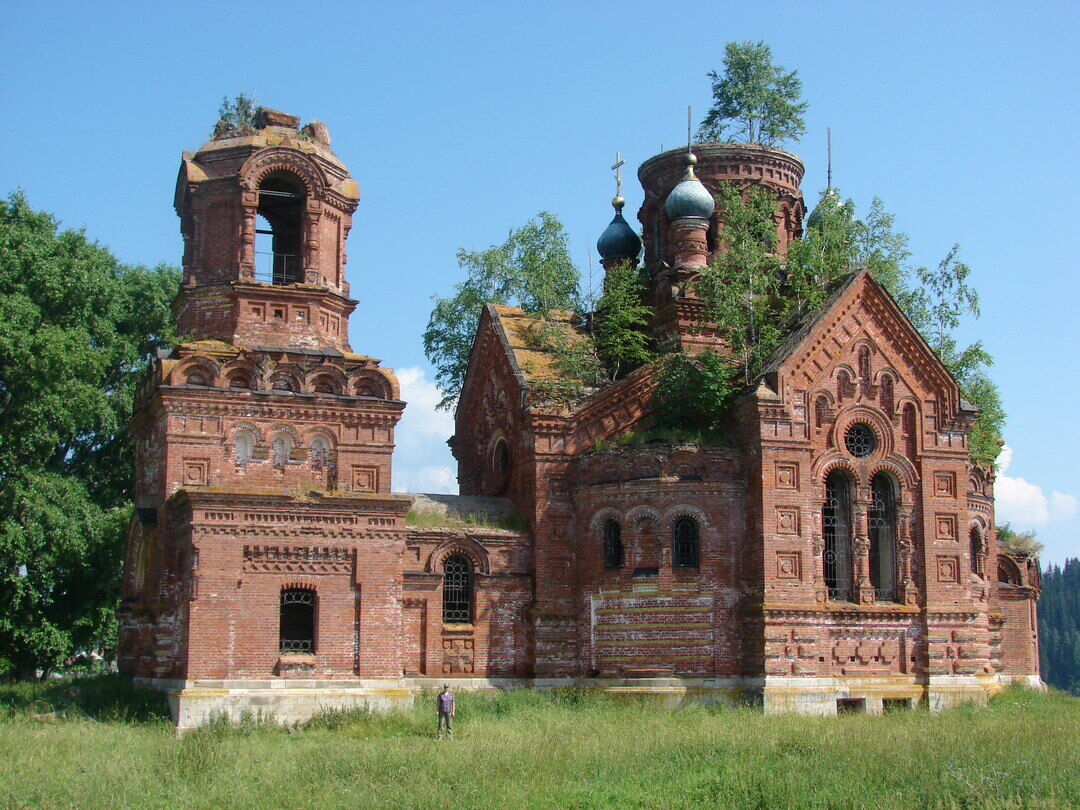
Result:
684,542
457,589
613,547
881,519
836,531
860,440
297,623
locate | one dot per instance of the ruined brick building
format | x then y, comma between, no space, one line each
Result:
838,552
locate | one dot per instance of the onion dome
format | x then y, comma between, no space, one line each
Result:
618,241
830,201
689,198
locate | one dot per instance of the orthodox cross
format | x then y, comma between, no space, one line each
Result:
617,168
689,125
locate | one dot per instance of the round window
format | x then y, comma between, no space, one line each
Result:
860,440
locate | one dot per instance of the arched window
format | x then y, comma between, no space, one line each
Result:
976,550
500,463
613,547
320,453
283,382
245,447
282,447
684,543
910,430
279,232
198,378
882,525
836,532
864,369
821,411
457,590
296,628
240,379
1008,573
843,383
887,396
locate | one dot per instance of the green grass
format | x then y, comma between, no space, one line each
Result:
572,748
429,519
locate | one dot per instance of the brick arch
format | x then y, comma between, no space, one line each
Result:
196,364
476,553
250,427
899,468
331,376
646,466
380,384
279,428
610,469
279,159
672,515
602,516
829,461
328,434
639,512
291,371
680,460
1008,572
243,366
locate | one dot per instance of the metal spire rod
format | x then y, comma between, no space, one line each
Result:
689,125
828,148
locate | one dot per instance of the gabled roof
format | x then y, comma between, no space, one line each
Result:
805,325
516,326
839,290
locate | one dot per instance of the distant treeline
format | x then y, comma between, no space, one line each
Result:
1059,626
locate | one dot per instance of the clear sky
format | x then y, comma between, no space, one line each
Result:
459,121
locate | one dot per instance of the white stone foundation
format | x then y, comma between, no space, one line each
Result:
286,701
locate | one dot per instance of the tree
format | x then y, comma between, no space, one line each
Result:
755,99
1059,626
936,299
740,286
236,114
77,330
1021,541
621,320
531,269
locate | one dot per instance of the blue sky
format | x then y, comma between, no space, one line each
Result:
459,121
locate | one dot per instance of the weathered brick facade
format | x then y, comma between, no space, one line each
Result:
270,567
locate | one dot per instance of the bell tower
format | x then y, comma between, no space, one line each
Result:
263,443
265,211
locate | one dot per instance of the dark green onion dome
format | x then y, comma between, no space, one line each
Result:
830,202
689,198
618,241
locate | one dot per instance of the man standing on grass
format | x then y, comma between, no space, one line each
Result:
445,702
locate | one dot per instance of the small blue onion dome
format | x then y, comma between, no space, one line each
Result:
689,198
618,241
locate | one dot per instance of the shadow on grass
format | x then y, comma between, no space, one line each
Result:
104,698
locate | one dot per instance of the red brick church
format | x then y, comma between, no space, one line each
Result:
838,553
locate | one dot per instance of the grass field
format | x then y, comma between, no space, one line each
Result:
110,746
